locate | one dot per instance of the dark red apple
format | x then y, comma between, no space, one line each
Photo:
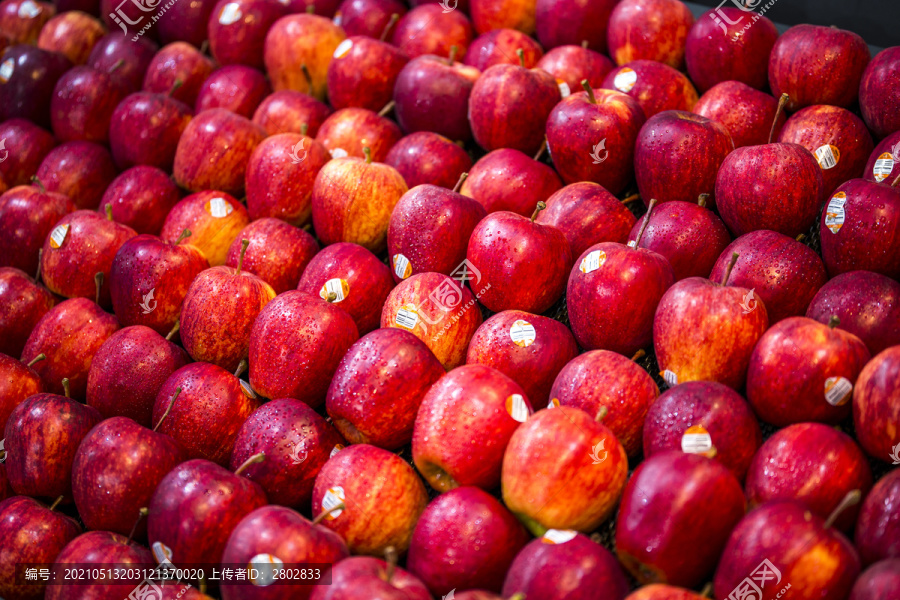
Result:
349,131
662,591
21,20
655,86
145,129
24,303
363,576
237,88
28,145
80,170
298,49
878,524
884,159
214,219
140,198
499,47
875,414
488,15
288,111
30,74
370,17
362,73
17,383
431,29
429,158
125,60
573,64
877,104
27,216
237,30
746,113
561,22
509,180
179,70
72,34
654,30
881,580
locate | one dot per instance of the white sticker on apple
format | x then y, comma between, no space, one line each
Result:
558,536
696,440
248,391
231,13
6,69
593,261
883,166
337,448
338,19
554,403
343,48
29,10
219,208
564,90
835,214
670,377
58,235
338,153
407,317
837,390
828,156
402,268
516,407
625,80
262,569
522,333
332,498
338,287
161,552
2,451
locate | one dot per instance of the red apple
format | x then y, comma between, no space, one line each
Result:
370,17
879,522
31,74
746,113
124,59
881,580
878,106
80,170
561,22
179,70
499,47
82,105
298,49
140,198
875,414
237,30
662,591
572,64
288,111
655,86
649,30
145,129
29,144
17,383
237,88
363,576
278,253
24,303
21,20
349,131
73,34
429,158
214,219
883,159
431,29
362,73
509,180
27,216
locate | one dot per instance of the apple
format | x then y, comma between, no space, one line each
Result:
867,305
746,113
185,21
509,180
277,252
363,576
591,137
140,198
655,86
5,490
702,332
179,70
610,387
27,216
296,344
378,387
32,145
509,106
881,580
237,30
817,65
69,335
788,461
782,272
372,18
31,74
877,105
362,73
654,30
298,50
149,279
42,437
466,513
662,591
368,282
721,46
571,22
349,131
676,514
440,311
296,442
145,129
432,94
72,34
428,158
237,88
878,523
489,15
884,158
21,20
214,219
499,47
127,373
24,303
430,29
287,111
875,415
125,61
17,383
80,170
572,64
352,200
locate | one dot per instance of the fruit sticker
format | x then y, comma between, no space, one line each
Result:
161,552
670,377
6,69
696,440
554,403
2,451
219,208
625,80
337,448
248,391
407,317
522,333
343,48
333,497
828,156
837,390
516,407
558,536
338,153
58,236
402,268
592,261
231,13
834,214
28,10
338,287
564,90
884,164
338,19
262,568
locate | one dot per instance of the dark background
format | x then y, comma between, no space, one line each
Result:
877,21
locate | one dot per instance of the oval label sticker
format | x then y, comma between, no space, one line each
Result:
696,440
625,79
593,261
407,317
884,164
161,552
516,407
58,235
219,208
522,333
339,287
828,156
670,377
835,214
231,13
558,536
837,390
402,268
333,497
343,48
262,568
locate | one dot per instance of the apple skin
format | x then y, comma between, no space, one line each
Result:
24,303
116,468
80,170
612,307
214,150
237,88
749,176
72,34
884,150
542,566
601,379
211,232
427,29
295,346
535,366
532,478
124,60
21,20
352,201
370,17
127,373
290,537
721,411
82,105
499,47
587,214
488,15
5,490
363,72
878,106
69,334
713,344
428,158
463,426
811,463
654,30
145,129
27,216
745,112
449,328
287,110
285,430
384,499
881,580
509,180
784,273
656,86
816,126
42,437
17,383
438,554
195,508
36,143
576,125
572,22
295,40
878,524
237,30
29,88
676,513
661,591
725,49
509,106
368,280
353,129
31,533
875,414
833,63
278,253
572,64
141,197
361,577
432,95
378,387
510,250
178,61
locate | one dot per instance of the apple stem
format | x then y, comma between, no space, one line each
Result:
393,21
541,150
204,47
169,408
56,503
800,237
638,355
390,557
517,596
833,322
452,58
65,384
256,458
242,366
142,512
184,234
631,198
387,108
304,128
584,44
37,359
108,210
174,330
311,8
590,91
896,180
244,244
330,297
711,453
116,66
368,152
701,200
734,257
637,240
462,179
706,592
852,497
781,102
34,179
305,70
601,414
538,208
178,83
98,283
521,54
325,513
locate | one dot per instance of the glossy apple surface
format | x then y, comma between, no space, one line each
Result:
875,415
237,30
278,253
24,302
80,170
877,104
425,157
429,29
27,215
655,86
745,112
286,111
178,62
33,144
507,179
878,523
214,219
141,197
145,128
295,40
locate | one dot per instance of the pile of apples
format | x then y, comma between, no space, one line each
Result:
256,255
